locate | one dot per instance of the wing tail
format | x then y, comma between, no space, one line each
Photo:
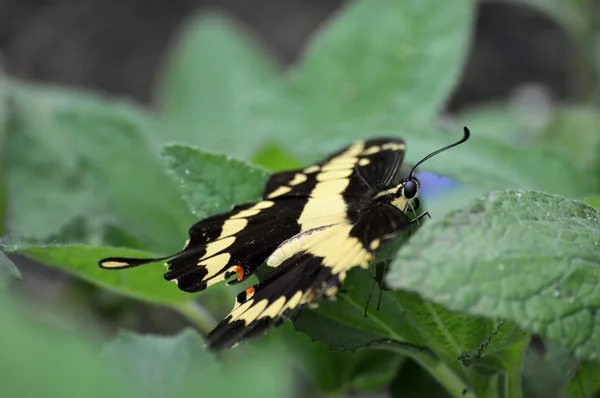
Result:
129,262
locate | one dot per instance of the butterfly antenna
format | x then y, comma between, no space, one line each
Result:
432,154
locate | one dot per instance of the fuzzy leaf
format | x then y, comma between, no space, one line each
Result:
524,256
144,283
8,271
213,183
382,57
215,79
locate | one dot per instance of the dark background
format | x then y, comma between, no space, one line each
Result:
117,45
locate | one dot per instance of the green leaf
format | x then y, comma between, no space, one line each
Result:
501,121
36,351
159,366
8,271
4,97
213,183
527,257
407,324
586,383
214,81
574,131
274,158
144,283
88,157
335,371
382,57
181,366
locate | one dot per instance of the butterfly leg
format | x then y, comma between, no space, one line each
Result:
385,268
374,277
418,218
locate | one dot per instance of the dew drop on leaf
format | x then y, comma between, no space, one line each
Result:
187,171
556,293
501,267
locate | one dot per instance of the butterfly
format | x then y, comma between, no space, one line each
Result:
312,226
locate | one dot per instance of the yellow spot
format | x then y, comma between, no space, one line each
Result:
308,297
274,309
343,160
375,244
215,264
294,301
218,246
187,242
279,191
312,169
334,175
239,310
371,150
114,264
337,167
232,226
313,306
299,178
332,291
364,162
253,312
254,210
395,146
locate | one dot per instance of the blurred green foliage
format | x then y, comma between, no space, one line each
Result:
85,176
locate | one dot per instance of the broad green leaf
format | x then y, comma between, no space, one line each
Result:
8,271
527,257
593,201
586,383
336,371
212,183
215,80
407,324
180,366
144,283
4,97
274,158
40,360
574,131
413,381
499,121
381,57
88,157
564,12
161,366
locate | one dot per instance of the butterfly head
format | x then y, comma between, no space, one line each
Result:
407,192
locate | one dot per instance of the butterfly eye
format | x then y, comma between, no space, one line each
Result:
409,190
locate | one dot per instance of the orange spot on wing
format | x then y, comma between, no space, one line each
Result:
240,271
249,291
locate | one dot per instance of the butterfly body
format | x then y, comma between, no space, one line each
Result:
311,226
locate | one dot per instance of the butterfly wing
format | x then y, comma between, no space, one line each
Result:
239,242
309,265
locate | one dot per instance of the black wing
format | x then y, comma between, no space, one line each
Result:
238,242
364,163
308,266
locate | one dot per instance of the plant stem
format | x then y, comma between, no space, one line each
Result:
512,383
197,315
442,373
